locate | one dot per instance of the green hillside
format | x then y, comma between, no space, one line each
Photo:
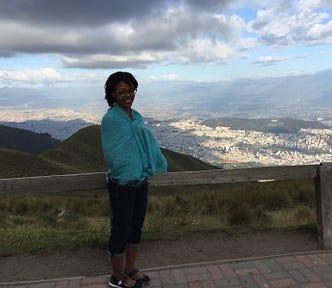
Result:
66,220
25,140
181,162
14,164
82,152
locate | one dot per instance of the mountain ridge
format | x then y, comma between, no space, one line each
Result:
80,153
267,125
25,140
61,130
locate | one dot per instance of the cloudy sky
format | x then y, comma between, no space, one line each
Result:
59,53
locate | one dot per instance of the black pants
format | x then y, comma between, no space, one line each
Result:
128,209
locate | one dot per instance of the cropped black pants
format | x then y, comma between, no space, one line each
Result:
128,208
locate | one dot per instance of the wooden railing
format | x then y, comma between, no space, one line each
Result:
322,175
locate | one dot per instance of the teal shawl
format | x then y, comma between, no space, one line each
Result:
130,149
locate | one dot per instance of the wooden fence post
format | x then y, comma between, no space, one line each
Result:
323,187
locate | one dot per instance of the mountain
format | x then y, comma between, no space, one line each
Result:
15,164
60,130
82,152
25,140
298,96
267,125
181,162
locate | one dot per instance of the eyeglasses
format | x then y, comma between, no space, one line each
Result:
123,93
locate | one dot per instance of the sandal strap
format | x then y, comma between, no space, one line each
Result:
132,273
146,279
123,280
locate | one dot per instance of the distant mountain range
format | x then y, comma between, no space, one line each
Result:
306,96
82,152
60,130
26,153
302,96
267,125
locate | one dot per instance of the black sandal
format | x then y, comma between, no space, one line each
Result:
145,280
114,283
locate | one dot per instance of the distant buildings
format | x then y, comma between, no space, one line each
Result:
223,145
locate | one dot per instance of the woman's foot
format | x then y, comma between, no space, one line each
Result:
124,282
138,276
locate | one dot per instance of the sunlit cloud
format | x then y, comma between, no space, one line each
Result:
72,47
46,76
269,60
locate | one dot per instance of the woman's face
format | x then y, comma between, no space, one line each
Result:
124,95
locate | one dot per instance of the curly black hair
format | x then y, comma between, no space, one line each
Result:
113,81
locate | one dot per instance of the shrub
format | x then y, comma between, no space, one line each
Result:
239,215
48,219
261,216
88,206
304,215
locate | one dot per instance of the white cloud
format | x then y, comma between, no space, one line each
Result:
204,51
299,22
205,38
269,60
153,78
180,98
319,31
114,35
45,75
139,59
164,30
42,77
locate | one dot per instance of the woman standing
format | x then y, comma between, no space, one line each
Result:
132,155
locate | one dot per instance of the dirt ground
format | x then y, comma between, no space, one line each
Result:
168,250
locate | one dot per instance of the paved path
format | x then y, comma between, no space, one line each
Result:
306,270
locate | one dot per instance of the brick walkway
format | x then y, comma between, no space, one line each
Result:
308,270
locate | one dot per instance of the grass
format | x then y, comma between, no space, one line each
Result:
33,224
27,239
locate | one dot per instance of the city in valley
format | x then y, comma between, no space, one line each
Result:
220,145
227,147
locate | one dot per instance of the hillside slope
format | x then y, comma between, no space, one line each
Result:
15,164
82,152
181,162
25,140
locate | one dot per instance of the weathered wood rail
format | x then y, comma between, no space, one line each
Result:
322,175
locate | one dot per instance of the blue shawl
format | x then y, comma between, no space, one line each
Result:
130,149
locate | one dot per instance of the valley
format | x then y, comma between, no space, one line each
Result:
227,147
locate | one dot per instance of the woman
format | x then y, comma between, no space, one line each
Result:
132,155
